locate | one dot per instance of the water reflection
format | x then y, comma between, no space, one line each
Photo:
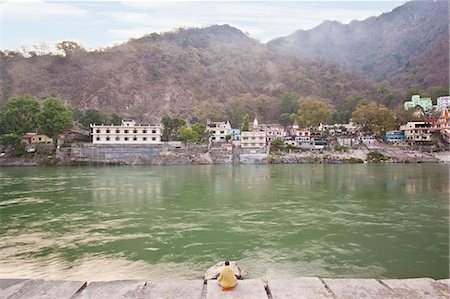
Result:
286,220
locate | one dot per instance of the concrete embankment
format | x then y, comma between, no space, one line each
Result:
90,154
301,287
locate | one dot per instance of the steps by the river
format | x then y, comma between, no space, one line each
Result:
301,287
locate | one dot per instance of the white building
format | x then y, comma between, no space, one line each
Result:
127,133
417,131
274,132
219,130
253,139
443,102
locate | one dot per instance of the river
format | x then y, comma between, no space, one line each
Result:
102,223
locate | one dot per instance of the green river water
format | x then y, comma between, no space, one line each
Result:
100,223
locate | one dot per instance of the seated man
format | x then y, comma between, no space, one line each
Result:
226,279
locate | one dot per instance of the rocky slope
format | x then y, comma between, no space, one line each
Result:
406,47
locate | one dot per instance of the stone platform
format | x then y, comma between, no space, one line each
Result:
301,287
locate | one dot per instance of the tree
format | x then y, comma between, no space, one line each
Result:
54,118
69,47
244,122
90,116
287,119
402,116
373,118
187,134
115,119
345,109
199,129
171,127
289,102
313,112
12,144
19,115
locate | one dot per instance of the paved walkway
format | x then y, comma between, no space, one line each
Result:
302,287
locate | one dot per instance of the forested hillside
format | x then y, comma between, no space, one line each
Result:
408,47
219,72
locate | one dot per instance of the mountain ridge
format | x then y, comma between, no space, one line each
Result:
191,72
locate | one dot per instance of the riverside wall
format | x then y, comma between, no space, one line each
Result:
163,154
167,154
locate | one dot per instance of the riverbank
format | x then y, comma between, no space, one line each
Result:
300,287
89,154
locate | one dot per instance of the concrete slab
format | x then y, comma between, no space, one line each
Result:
298,288
418,288
113,289
16,288
248,289
359,288
173,288
49,289
6,283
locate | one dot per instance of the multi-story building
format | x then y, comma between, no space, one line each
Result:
253,139
127,133
416,100
219,130
443,102
274,132
443,122
417,131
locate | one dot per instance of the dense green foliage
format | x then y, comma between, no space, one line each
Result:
12,144
171,127
19,115
376,157
54,118
245,122
373,118
187,134
90,116
289,102
313,112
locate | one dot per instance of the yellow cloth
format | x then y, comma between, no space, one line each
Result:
226,278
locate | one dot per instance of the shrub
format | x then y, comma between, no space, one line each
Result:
376,157
12,144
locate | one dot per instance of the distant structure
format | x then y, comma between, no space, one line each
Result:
127,133
416,100
443,102
33,138
219,130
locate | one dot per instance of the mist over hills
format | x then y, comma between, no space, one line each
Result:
205,72
406,47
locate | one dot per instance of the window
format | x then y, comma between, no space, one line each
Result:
97,131
135,131
144,131
153,138
222,132
126,132
134,138
153,131
108,131
126,139
117,131
117,138
144,138
107,138
98,138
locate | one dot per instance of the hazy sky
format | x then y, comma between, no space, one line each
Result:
102,23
